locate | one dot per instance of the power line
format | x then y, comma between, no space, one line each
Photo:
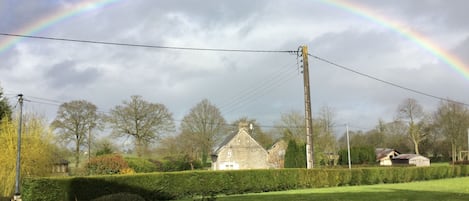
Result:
148,46
41,102
46,99
58,103
263,91
246,94
386,82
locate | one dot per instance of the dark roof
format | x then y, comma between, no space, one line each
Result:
225,142
406,156
61,162
383,152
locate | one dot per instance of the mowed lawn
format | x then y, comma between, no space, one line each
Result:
444,189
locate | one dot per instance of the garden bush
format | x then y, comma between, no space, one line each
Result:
175,185
178,163
140,165
107,164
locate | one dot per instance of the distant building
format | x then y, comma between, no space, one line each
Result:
385,155
277,154
411,159
240,151
331,159
60,167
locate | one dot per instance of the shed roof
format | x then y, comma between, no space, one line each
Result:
407,156
61,162
384,152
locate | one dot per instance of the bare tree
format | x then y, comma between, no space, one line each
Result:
74,122
207,126
145,122
292,126
452,120
412,113
324,126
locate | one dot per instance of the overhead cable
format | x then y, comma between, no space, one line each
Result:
386,82
148,46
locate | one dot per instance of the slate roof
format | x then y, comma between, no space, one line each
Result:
406,156
225,142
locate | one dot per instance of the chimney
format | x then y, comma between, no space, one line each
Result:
243,125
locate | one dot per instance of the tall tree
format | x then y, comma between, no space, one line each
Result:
412,113
396,133
292,126
74,122
206,125
5,109
452,120
145,122
324,140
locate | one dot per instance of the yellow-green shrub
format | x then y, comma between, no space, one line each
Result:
36,151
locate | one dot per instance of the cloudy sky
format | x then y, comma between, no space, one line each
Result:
257,85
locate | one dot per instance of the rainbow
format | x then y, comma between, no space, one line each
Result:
454,62
51,19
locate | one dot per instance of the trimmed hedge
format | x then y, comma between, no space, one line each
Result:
166,186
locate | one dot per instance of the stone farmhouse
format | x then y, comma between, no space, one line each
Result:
240,151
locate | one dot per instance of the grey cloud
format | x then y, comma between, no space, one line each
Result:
180,79
148,21
66,74
30,12
433,13
353,45
462,50
9,59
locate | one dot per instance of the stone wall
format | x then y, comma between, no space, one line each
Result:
241,152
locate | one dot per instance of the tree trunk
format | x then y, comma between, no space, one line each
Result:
77,154
453,152
416,147
138,147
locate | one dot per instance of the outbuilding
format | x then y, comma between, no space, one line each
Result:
411,159
384,156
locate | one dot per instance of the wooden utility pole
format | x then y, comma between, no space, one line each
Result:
308,115
17,196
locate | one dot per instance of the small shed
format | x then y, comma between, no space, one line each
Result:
60,167
385,155
411,159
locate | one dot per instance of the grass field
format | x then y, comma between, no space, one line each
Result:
445,189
